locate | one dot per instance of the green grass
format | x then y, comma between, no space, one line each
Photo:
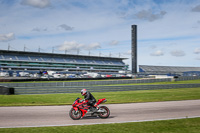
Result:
187,81
112,97
168,126
159,83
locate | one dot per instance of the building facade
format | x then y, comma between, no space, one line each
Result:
36,61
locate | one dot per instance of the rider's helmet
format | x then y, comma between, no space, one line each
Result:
83,92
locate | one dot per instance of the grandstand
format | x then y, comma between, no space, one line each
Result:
169,70
36,61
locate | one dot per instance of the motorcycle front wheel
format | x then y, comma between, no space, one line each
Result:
105,112
75,115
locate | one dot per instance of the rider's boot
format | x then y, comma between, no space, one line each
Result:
96,107
90,109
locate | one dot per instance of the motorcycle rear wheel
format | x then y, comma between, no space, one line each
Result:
104,114
75,115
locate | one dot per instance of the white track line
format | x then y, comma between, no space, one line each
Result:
102,123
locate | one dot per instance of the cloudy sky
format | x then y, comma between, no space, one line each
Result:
168,30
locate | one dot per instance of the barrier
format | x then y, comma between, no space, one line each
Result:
77,89
6,91
95,86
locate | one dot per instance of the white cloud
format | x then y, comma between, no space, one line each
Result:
153,47
39,29
178,53
196,8
73,46
70,46
7,37
92,46
129,52
157,53
66,27
197,51
149,15
114,42
36,3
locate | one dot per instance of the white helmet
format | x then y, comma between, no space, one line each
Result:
83,92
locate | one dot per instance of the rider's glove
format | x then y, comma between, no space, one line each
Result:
82,100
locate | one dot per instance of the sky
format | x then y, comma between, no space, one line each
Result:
168,30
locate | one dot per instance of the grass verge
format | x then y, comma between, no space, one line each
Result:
160,83
112,97
191,125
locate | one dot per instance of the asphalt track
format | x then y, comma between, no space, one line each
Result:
44,116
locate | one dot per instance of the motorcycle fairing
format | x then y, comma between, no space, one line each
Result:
101,101
83,107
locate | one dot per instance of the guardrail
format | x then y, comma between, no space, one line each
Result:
77,89
182,78
95,86
83,83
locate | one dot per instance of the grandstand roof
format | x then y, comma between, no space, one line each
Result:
57,54
147,68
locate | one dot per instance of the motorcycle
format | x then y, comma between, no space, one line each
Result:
81,107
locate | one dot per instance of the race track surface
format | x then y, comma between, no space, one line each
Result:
42,116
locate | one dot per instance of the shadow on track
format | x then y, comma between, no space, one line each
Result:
96,117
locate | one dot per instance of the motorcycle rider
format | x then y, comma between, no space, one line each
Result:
88,96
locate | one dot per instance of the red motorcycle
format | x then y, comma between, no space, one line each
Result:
81,107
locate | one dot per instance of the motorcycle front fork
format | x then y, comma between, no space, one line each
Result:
76,112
